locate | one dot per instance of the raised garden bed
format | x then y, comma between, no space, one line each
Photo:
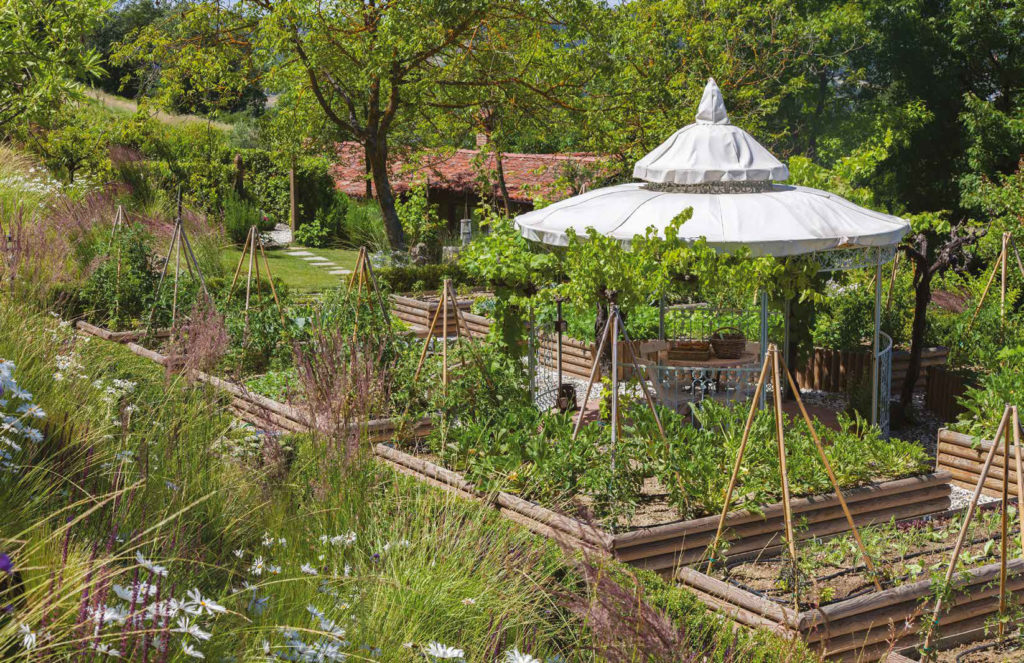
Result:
665,547
258,410
844,616
964,455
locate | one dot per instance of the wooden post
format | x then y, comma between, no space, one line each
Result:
614,335
787,509
593,375
832,478
248,282
926,650
754,406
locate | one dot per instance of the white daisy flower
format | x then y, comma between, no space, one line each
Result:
308,569
189,650
437,650
28,638
188,627
153,568
516,656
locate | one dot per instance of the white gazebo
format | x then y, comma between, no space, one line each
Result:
732,184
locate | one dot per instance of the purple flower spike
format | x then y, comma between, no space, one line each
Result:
6,565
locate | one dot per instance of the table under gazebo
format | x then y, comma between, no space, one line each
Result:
732,183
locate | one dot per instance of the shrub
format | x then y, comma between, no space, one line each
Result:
239,215
984,403
364,226
417,278
314,234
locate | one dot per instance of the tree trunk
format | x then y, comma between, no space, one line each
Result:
501,179
377,158
922,297
293,210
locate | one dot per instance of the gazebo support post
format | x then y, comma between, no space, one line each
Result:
875,338
787,312
763,340
614,334
661,318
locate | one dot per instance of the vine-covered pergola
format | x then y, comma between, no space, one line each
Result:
733,186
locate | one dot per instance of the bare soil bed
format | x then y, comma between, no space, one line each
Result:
833,570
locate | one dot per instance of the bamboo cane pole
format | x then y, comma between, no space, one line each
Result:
1020,263
787,508
163,274
1002,291
636,370
892,282
1020,474
444,338
270,278
968,515
426,344
241,259
1003,526
174,297
466,344
189,253
832,478
259,286
984,293
248,283
739,460
593,376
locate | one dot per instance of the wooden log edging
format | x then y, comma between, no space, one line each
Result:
963,456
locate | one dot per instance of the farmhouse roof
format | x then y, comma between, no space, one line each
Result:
527,176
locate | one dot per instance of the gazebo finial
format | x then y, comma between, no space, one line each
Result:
712,105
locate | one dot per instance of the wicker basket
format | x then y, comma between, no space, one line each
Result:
690,351
728,343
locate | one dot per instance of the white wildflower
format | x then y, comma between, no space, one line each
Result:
153,568
437,650
516,656
188,627
28,638
189,650
308,569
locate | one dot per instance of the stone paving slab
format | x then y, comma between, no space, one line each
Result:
315,259
299,253
340,271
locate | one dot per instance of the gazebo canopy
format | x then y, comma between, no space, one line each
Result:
728,178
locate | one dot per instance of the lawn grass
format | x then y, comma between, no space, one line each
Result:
298,274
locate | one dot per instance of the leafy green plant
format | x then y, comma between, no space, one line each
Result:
241,214
314,234
120,288
984,403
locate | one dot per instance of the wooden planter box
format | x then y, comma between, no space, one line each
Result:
838,370
870,626
418,314
963,456
944,389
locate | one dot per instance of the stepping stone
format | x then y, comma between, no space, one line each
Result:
299,253
316,259
328,265
338,272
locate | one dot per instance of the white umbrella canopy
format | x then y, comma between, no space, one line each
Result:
726,177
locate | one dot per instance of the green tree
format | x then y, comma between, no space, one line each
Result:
42,55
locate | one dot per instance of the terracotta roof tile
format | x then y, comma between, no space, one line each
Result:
527,176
